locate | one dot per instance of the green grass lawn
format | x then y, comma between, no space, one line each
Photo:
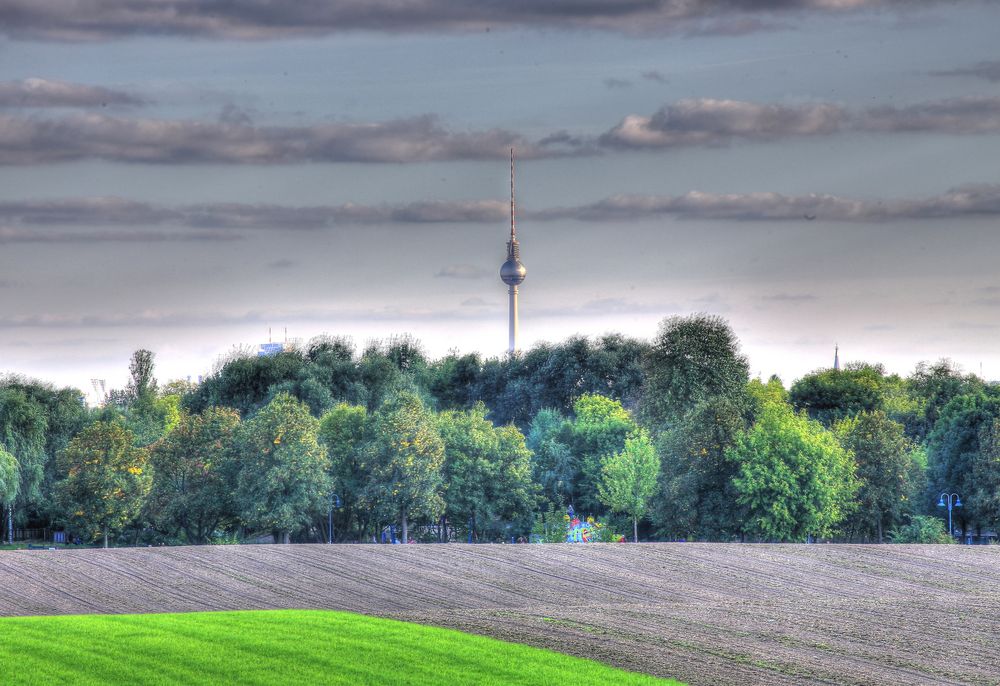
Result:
275,647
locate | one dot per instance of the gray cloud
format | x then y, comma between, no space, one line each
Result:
477,302
789,297
283,263
614,83
190,318
104,211
709,122
958,115
463,271
654,75
964,201
235,140
718,122
10,235
44,93
251,20
38,140
85,212
982,70
28,221
972,326
608,307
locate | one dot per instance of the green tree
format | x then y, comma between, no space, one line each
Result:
470,449
599,428
282,480
342,431
692,359
935,385
24,433
452,379
191,493
10,482
106,480
794,477
696,498
514,493
955,446
986,475
487,470
830,395
555,465
142,383
244,381
882,454
629,478
516,387
404,457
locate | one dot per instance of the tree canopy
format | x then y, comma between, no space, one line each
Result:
795,480
692,359
106,480
281,471
629,478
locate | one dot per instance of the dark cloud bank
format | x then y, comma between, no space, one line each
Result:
257,19
28,140
989,70
51,221
41,140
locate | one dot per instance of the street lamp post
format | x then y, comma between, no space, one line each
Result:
334,502
951,501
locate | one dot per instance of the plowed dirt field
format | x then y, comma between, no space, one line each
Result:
701,613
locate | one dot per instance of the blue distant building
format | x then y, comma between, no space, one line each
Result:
269,349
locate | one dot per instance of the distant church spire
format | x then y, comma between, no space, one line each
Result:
836,358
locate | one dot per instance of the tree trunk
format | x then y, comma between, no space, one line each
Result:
286,537
880,530
105,538
406,530
635,529
10,522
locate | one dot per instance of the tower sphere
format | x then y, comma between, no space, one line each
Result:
512,272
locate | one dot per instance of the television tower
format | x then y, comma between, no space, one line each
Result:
512,272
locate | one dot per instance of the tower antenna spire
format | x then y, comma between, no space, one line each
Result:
513,229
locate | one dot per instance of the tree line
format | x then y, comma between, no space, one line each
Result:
668,439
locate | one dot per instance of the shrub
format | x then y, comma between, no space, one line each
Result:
921,529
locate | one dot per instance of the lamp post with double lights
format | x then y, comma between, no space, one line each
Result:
951,501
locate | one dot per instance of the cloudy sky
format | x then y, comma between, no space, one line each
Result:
184,175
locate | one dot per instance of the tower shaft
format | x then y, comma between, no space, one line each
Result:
512,340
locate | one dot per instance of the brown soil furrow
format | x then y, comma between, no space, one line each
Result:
702,613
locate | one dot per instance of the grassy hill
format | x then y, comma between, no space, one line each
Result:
283,647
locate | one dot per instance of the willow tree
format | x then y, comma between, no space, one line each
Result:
10,481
